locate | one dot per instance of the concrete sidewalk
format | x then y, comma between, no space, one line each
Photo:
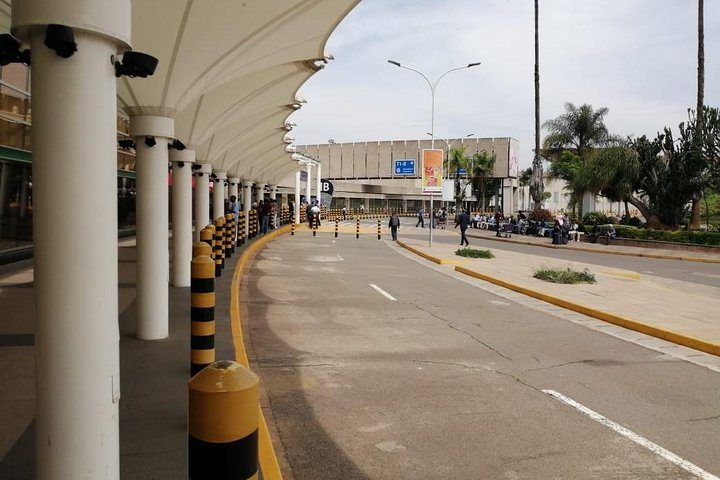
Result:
153,376
680,312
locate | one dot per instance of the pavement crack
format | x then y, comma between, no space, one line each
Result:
704,419
450,364
468,334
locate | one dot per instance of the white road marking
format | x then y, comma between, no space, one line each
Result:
634,437
339,257
383,292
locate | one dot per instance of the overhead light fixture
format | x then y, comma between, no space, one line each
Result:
136,64
177,145
61,39
126,143
10,51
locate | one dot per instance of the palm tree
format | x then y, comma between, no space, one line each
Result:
483,167
537,188
458,160
695,212
579,130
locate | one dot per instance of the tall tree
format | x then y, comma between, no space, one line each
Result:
537,188
697,196
458,160
483,165
580,130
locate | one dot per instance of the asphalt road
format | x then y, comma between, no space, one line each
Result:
377,366
693,272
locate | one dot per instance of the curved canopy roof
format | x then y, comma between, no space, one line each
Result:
229,71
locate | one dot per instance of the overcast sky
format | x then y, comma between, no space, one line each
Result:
636,57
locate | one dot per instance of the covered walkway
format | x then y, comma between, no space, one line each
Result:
208,88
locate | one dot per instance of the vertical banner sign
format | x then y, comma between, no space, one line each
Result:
327,191
432,171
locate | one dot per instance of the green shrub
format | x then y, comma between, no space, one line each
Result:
589,219
566,276
474,253
631,221
681,236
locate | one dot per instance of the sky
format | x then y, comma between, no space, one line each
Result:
638,58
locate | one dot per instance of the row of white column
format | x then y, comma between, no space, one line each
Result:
308,187
75,231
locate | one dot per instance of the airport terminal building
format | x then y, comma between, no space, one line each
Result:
387,173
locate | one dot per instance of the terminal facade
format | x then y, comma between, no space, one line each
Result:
365,172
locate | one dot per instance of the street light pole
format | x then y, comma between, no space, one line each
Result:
432,117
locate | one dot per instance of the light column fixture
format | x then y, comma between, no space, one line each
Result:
433,86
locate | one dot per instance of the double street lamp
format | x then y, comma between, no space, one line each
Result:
433,86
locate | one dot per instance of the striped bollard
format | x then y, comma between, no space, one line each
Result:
242,228
378,229
206,236
223,413
357,227
219,251
314,225
292,227
202,311
337,221
229,234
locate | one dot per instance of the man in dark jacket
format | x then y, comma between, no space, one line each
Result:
394,224
464,221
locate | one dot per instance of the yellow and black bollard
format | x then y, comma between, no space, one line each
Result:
229,235
241,229
219,250
378,229
314,225
202,311
292,227
202,248
206,236
357,227
223,413
337,221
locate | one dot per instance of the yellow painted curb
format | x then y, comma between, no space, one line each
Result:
266,453
426,256
679,338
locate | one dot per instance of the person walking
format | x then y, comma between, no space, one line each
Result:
394,224
421,218
464,221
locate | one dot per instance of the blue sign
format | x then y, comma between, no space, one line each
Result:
461,171
405,167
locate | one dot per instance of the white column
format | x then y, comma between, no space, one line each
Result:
219,195
233,191
260,192
296,213
247,203
151,165
308,185
77,361
202,198
273,192
182,162
319,184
